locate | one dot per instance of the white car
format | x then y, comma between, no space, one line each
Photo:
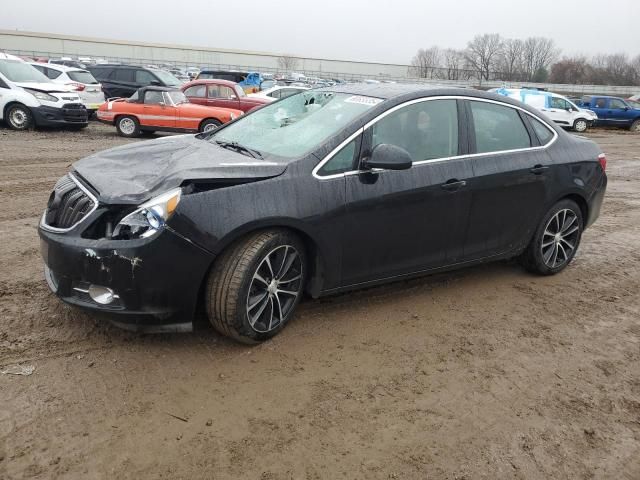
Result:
278,92
557,107
28,98
81,81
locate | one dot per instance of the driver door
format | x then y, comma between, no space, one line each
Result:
158,110
404,221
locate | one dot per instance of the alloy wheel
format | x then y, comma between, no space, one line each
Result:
581,126
274,289
560,238
127,126
210,127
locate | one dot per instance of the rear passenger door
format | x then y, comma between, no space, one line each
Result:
511,178
121,82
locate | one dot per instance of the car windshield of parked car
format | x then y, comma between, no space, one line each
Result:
21,72
177,97
296,125
81,76
168,79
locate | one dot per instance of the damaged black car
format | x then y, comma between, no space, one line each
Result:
325,191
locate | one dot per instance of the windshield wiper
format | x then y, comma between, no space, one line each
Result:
239,148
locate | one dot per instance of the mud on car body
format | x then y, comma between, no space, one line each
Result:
325,191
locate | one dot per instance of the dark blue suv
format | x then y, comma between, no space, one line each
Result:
613,111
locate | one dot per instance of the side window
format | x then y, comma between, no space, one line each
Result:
213,91
226,92
122,75
275,94
427,130
560,103
342,161
498,128
153,97
542,131
287,92
52,74
145,78
601,103
196,91
616,104
3,84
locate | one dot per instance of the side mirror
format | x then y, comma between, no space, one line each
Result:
390,157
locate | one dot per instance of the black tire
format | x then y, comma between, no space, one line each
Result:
580,125
19,117
635,126
126,128
209,124
232,285
536,257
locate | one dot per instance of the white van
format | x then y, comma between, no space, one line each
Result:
28,98
558,108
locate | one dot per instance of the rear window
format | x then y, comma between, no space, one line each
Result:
82,77
498,128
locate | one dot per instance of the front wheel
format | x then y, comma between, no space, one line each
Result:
556,239
255,286
209,125
580,125
19,117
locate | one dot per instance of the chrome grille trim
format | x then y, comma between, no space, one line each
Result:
43,222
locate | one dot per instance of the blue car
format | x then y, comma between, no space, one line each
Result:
613,111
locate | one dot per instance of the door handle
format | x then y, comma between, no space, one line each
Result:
538,169
453,185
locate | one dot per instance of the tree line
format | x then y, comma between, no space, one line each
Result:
533,59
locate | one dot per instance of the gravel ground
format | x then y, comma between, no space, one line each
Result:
486,373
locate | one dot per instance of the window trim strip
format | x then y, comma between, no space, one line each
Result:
372,122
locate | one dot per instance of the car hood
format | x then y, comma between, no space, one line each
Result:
44,87
133,173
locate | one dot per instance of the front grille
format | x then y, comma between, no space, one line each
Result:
74,112
68,204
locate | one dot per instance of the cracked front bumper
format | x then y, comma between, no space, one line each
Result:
156,280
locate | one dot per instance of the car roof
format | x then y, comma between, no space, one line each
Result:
387,91
155,88
60,68
217,81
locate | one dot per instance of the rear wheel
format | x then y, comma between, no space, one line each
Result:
255,286
556,239
128,126
635,126
19,117
580,125
209,125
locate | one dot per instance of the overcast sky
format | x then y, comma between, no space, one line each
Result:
371,30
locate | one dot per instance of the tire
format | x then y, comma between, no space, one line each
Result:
635,126
128,126
209,125
549,253
242,297
580,125
19,117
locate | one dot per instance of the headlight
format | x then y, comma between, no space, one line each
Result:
41,95
149,217
232,115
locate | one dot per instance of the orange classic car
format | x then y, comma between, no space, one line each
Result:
164,109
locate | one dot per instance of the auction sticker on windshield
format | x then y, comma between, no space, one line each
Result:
363,100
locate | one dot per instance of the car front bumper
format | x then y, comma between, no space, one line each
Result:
45,116
156,281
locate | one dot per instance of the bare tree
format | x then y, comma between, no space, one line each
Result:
510,62
483,52
573,70
287,62
537,56
426,62
454,62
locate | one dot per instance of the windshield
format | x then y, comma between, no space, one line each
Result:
82,77
177,97
297,124
17,71
168,79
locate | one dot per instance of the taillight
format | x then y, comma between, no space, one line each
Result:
602,160
78,87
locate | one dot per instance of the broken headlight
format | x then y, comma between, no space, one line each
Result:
149,217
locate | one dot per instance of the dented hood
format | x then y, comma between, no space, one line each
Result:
136,172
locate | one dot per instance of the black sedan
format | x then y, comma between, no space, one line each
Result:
328,190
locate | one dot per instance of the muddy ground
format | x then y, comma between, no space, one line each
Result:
483,373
